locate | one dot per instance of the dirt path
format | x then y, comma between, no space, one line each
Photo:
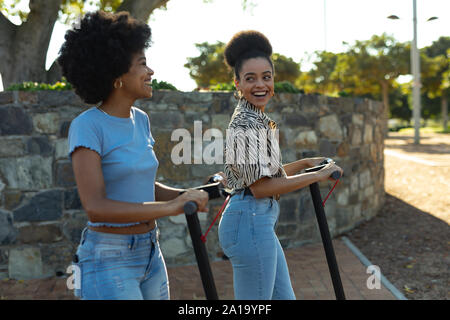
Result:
410,237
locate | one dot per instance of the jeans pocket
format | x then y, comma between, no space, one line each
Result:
229,229
105,255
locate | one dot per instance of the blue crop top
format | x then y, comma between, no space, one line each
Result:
125,146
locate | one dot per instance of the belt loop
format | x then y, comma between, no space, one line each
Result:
155,235
242,194
83,236
132,243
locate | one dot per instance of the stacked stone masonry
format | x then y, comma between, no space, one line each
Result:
41,217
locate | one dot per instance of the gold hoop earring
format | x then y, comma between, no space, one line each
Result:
120,84
238,94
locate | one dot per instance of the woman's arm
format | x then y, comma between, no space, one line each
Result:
267,187
295,167
166,193
91,188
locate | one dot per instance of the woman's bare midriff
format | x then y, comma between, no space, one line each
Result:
143,227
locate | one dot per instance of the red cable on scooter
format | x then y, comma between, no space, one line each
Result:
203,237
329,193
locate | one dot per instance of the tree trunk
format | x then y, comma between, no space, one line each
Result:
141,9
7,31
25,47
385,94
444,111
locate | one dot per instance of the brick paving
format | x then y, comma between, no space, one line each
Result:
307,265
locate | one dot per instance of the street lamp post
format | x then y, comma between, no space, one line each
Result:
415,70
325,24
415,65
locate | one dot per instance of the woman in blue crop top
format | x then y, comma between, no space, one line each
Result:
111,149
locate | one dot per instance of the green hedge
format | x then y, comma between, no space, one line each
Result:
64,85
35,86
283,86
159,85
286,86
223,87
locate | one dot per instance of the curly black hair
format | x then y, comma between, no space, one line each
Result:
246,45
100,50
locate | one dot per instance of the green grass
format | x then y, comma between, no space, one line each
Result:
403,127
428,129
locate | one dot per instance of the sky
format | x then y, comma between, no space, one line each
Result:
295,28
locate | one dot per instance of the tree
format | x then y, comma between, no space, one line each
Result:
318,78
371,66
286,69
209,67
435,74
23,48
399,102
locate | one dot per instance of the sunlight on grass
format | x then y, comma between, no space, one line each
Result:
410,131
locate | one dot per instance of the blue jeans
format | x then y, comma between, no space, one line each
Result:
116,266
247,237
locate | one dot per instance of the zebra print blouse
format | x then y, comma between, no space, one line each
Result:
252,150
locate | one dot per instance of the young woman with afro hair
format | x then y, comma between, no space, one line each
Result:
111,149
254,171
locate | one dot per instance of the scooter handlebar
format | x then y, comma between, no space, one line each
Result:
190,207
335,175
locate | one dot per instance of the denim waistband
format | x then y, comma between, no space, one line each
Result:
108,224
113,238
240,195
246,192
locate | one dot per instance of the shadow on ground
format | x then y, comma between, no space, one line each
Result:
431,144
410,246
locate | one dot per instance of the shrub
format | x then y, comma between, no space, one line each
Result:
286,86
283,86
223,87
162,85
35,86
64,85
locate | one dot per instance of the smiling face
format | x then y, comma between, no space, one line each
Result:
137,81
256,81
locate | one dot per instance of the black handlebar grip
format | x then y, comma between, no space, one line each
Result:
336,175
190,207
213,190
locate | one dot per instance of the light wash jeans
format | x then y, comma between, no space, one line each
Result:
247,237
116,267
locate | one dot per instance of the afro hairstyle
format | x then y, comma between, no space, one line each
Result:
100,50
246,45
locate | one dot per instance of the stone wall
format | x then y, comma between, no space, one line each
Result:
41,217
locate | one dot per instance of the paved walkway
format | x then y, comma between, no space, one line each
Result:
307,265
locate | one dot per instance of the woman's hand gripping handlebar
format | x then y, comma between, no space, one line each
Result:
327,170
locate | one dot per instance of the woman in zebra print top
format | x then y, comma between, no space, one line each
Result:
254,170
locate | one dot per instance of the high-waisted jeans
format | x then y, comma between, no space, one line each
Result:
116,266
247,237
